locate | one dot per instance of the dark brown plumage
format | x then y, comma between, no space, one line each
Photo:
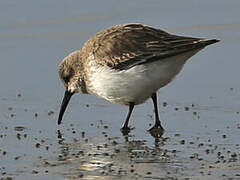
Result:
124,46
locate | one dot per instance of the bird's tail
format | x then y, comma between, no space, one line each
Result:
207,42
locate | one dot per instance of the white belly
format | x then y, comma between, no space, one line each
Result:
137,83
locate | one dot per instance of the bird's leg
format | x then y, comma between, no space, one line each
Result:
125,129
157,129
157,121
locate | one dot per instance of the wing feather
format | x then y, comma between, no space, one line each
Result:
124,46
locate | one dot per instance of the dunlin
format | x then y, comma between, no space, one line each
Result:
127,64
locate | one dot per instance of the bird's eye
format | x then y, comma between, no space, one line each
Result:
67,76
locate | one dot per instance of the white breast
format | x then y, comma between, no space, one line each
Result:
135,84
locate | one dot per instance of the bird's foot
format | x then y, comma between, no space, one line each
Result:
156,131
126,130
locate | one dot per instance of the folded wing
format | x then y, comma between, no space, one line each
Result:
124,46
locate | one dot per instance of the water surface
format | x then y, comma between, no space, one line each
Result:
201,118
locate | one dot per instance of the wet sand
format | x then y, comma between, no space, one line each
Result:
200,109
33,148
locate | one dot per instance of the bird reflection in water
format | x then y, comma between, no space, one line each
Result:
107,156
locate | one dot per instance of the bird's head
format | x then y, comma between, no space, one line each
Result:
71,74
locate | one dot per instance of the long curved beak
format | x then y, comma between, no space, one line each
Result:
65,101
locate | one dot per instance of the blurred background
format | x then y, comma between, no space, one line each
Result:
36,36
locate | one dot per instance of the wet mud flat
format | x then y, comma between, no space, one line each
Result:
200,110
33,147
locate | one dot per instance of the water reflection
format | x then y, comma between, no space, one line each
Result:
108,157
155,132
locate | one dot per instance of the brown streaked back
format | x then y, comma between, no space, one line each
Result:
124,46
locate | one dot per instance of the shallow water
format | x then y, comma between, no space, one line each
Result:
201,117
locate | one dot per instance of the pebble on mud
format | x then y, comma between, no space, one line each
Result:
233,155
164,104
18,135
37,145
17,157
19,128
50,113
114,143
12,115
83,134
117,150
207,151
34,172
182,141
